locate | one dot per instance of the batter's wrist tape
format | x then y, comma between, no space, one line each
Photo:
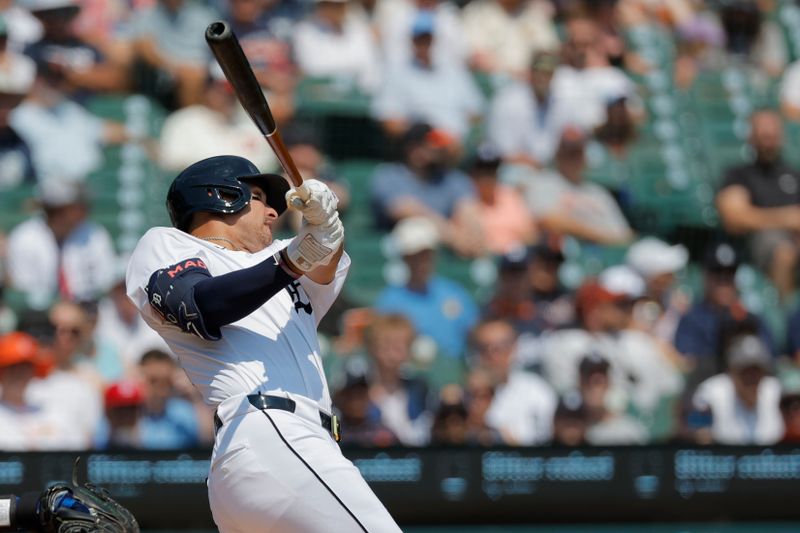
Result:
283,262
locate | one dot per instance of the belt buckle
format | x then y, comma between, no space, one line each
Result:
336,428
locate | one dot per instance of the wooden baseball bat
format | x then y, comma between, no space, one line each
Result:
231,58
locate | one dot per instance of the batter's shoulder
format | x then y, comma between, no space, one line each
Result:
161,235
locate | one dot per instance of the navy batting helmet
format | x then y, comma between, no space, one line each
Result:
214,185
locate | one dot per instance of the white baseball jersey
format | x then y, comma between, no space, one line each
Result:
271,470
274,349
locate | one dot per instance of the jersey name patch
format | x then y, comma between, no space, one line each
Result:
177,268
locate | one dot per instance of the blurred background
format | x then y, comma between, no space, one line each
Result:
575,233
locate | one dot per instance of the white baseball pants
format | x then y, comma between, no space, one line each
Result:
276,471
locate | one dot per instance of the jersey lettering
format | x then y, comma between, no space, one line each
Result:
176,269
294,291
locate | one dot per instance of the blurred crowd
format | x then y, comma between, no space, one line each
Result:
488,112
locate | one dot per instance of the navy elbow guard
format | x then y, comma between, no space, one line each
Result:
170,292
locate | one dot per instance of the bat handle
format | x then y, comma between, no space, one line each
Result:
276,142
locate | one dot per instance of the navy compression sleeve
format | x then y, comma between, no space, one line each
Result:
224,299
186,294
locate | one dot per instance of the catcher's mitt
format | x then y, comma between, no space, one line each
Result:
65,508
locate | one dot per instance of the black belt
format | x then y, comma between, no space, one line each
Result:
263,401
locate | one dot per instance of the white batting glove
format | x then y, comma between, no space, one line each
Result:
315,245
315,200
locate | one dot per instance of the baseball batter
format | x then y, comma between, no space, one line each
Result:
240,310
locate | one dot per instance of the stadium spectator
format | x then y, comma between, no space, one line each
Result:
395,22
121,427
554,303
275,17
401,399
662,305
762,200
61,252
426,185
600,318
105,25
652,366
790,92
168,41
744,400
27,427
610,40
526,117
168,421
65,139
512,297
121,327
522,407
504,218
700,40
440,93
700,330
794,334
565,203
528,292
17,73
641,374
217,125
752,35
605,426
8,318
618,131
72,376
82,66
360,418
438,307
787,368
479,393
333,43
450,426
264,30
23,28
98,353
586,78
502,35
570,422
790,412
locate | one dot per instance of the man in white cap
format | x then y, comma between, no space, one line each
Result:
662,304
744,400
60,252
438,307
655,364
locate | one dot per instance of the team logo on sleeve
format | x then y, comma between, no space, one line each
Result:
297,297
